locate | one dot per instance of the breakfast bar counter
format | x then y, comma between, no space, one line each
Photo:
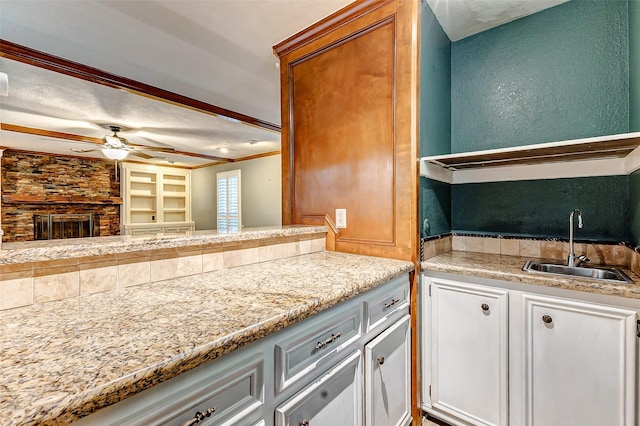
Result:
65,359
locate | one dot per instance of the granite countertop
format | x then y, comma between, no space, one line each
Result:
65,359
37,251
509,268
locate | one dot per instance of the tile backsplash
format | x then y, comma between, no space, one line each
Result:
609,254
37,282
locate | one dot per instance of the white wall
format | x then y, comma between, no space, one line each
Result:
261,192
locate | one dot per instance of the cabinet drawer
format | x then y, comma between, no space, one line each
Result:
234,392
145,231
335,399
380,309
316,345
176,229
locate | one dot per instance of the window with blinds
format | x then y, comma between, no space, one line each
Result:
229,216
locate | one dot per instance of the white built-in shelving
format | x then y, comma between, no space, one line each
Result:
155,199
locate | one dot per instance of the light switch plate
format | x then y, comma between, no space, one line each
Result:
341,218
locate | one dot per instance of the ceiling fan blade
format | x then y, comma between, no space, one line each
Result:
151,148
141,154
83,150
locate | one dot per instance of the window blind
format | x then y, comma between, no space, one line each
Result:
229,217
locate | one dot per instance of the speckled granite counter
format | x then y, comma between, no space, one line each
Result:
62,360
509,268
38,251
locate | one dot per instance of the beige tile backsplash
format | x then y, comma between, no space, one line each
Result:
26,284
610,254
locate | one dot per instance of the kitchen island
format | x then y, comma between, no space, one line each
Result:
65,359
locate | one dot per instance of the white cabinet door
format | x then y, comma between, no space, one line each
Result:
469,351
580,363
333,400
388,376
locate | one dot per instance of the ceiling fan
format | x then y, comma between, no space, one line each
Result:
117,148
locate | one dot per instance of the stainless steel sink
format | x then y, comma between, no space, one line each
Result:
600,273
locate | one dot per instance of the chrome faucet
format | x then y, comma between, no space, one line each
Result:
571,260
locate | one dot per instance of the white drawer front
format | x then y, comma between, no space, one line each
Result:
383,309
318,345
233,392
333,400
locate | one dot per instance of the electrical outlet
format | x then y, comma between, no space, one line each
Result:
341,218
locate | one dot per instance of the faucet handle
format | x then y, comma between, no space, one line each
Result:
583,259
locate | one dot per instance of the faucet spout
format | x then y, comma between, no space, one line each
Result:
571,259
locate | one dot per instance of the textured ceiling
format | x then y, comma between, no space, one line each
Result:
462,18
216,51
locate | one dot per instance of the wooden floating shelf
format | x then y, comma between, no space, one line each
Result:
616,146
59,199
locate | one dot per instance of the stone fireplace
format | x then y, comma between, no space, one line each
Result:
37,185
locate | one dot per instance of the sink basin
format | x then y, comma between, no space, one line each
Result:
599,273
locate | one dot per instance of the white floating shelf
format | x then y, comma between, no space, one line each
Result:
598,156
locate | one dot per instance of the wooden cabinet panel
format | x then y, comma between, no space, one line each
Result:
350,125
343,140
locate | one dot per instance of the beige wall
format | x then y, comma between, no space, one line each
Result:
261,193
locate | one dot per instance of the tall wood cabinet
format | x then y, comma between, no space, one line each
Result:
349,87
155,200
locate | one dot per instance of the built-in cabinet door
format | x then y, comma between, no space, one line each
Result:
335,399
388,376
579,363
469,351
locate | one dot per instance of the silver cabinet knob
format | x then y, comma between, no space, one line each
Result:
485,307
305,422
547,319
380,360
199,417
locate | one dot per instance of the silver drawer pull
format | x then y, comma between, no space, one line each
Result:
305,422
390,304
199,417
333,337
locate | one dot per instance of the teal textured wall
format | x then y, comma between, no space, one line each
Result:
634,66
435,207
634,207
558,74
540,208
435,121
435,86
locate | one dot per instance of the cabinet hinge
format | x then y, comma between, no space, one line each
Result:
638,328
429,290
429,390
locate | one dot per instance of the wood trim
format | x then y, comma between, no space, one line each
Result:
323,220
26,151
97,141
173,166
44,60
253,157
342,17
49,133
58,199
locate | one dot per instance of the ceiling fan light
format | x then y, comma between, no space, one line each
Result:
114,154
112,140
